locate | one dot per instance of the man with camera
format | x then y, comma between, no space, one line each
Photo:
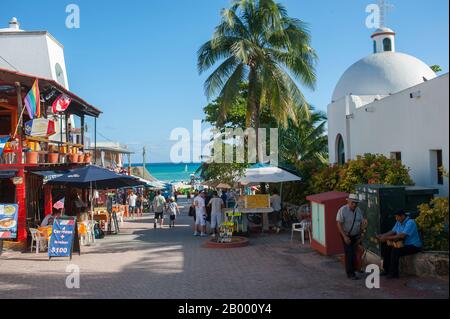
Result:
351,223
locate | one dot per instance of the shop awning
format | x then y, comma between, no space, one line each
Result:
47,87
7,174
50,175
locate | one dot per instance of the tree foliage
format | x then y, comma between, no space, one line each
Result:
259,44
367,169
433,224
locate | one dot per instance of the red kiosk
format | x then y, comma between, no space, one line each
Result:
325,235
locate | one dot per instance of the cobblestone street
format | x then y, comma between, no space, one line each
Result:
143,262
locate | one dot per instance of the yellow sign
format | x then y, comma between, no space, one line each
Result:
257,201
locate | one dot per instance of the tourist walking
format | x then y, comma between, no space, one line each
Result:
159,204
275,216
351,223
216,203
200,214
139,203
132,198
151,197
192,210
173,211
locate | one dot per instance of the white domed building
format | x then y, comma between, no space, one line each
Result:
394,104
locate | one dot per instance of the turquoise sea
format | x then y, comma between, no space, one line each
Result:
170,172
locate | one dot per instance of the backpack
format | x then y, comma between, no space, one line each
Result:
98,232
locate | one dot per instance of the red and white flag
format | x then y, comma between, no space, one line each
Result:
61,103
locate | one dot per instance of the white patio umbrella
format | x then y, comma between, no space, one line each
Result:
268,174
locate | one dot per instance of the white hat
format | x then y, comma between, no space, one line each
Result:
354,198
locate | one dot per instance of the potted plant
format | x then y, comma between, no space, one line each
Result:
53,155
80,157
32,157
31,153
73,157
87,157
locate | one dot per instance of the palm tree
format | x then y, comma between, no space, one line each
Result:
305,139
258,43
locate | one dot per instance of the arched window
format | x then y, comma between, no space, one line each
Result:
374,46
340,150
387,45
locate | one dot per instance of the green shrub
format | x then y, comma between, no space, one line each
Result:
367,169
433,224
373,169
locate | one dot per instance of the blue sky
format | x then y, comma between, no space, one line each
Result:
136,59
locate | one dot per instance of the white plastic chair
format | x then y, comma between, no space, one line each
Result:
38,239
302,227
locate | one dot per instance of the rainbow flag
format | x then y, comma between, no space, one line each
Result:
33,101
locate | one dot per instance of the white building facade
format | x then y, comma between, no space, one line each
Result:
35,53
32,52
393,104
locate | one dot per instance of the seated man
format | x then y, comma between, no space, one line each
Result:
49,219
403,240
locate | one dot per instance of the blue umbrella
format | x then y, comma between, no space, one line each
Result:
96,178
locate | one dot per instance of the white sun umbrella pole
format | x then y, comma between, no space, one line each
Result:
281,192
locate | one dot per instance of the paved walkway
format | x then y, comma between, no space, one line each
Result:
143,262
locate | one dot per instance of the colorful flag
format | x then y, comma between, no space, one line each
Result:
3,141
33,101
61,103
59,204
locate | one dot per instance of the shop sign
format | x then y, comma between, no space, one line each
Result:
64,237
257,201
40,127
8,221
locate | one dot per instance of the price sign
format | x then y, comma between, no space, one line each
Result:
257,201
63,237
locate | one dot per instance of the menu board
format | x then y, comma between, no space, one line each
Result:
8,221
64,235
257,201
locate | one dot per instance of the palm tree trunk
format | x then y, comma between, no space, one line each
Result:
253,106
259,148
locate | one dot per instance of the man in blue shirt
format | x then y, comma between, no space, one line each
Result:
405,230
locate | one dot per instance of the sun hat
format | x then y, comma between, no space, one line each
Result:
400,212
354,198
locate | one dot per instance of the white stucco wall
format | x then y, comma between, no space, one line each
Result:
56,55
34,53
398,123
